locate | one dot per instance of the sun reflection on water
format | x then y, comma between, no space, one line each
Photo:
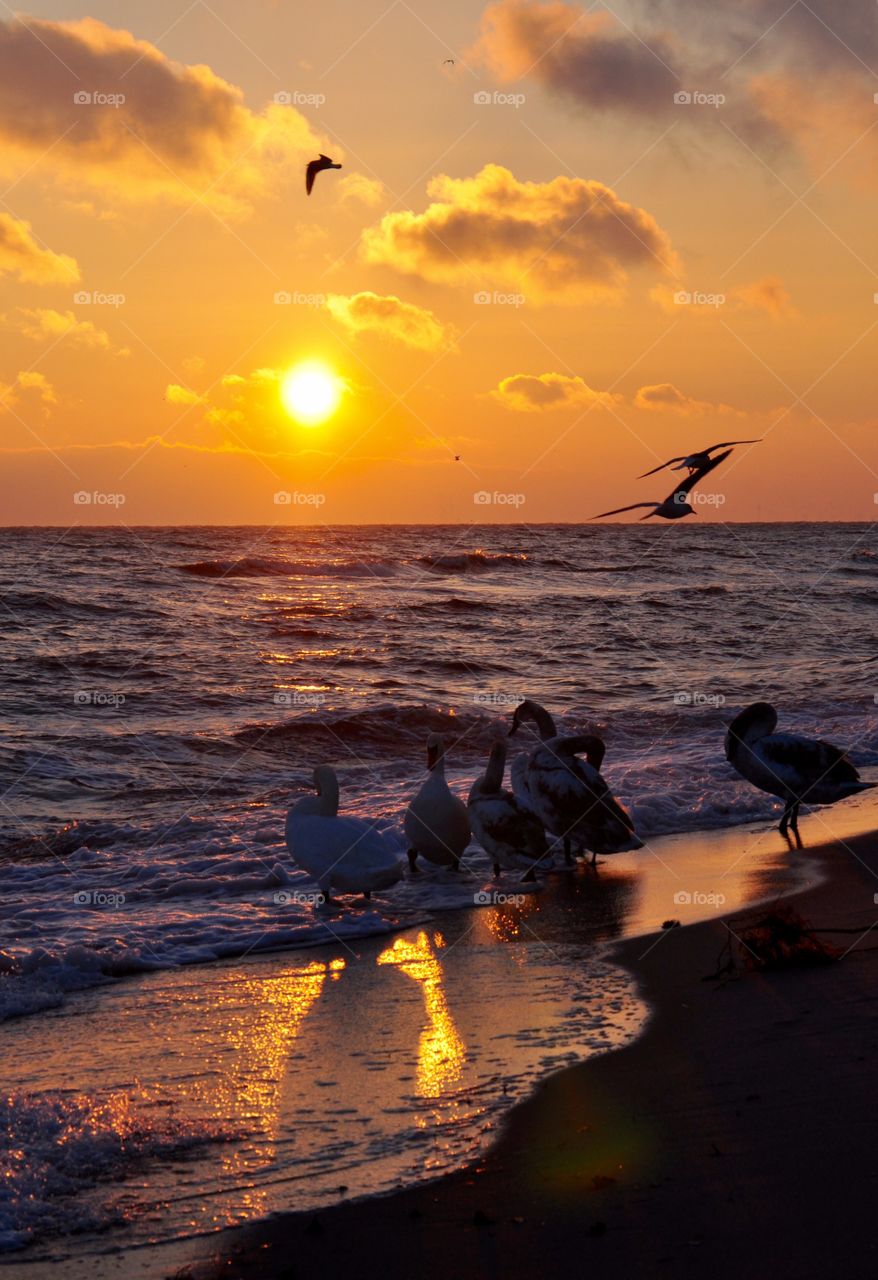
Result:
441,1051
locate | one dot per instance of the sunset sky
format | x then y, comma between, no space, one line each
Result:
565,245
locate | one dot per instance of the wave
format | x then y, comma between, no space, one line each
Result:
381,727
268,567
473,562
55,1147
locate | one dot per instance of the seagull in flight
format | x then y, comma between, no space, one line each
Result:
675,504
693,461
314,168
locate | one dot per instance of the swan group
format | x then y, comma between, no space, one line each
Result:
558,790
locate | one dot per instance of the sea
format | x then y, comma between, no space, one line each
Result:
188,1040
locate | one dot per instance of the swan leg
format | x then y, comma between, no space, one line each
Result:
413,860
794,824
785,819
496,870
367,893
568,855
455,863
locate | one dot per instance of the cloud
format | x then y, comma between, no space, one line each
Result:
20,255
28,380
664,397
763,58
392,318
533,393
536,393
43,324
356,186
767,295
175,394
588,57
566,240
144,126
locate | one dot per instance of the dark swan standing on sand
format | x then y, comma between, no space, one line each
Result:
694,461
506,831
570,797
436,822
348,854
675,504
315,167
797,769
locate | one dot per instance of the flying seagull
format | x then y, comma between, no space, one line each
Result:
675,504
693,461
314,168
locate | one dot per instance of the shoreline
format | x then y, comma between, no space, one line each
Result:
735,1129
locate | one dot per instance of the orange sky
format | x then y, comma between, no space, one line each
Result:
594,241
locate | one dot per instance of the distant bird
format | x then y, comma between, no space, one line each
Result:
314,167
506,831
675,504
348,854
436,823
449,62
797,769
694,461
457,457
570,797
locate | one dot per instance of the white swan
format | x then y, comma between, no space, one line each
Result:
797,769
506,831
347,854
436,822
571,798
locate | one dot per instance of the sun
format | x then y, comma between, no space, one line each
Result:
311,392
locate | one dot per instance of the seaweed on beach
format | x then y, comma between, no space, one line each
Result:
777,940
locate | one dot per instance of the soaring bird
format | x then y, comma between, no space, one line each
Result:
675,504
797,769
315,167
693,461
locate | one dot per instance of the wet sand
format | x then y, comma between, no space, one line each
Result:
735,1137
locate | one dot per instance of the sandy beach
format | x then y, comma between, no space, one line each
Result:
736,1136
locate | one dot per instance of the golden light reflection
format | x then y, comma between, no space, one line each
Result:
506,923
264,1017
441,1052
